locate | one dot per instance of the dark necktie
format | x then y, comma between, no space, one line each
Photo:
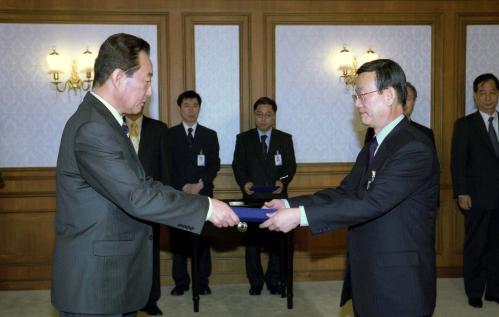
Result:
190,138
124,127
372,149
493,136
264,145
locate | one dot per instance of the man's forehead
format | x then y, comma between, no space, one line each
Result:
190,101
366,79
481,86
264,108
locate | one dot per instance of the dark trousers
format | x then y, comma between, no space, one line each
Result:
64,314
255,239
181,243
155,293
481,253
356,315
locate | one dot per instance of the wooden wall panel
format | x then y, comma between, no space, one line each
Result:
27,201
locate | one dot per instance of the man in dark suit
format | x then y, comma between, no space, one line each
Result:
388,202
149,138
102,261
475,175
263,157
195,164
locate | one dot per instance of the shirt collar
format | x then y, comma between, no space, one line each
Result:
486,116
387,129
118,116
186,127
138,122
268,133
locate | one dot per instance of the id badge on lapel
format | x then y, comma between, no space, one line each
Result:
201,159
277,159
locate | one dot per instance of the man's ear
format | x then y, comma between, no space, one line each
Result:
390,95
117,77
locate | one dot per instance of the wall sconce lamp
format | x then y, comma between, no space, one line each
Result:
57,63
347,64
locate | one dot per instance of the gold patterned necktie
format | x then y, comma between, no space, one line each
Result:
134,136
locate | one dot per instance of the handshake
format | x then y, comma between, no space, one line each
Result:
283,219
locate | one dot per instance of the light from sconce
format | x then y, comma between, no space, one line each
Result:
347,64
85,63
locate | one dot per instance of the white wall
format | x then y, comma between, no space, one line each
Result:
315,107
32,114
217,81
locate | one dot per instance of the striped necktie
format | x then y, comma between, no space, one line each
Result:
493,136
372,149
124,127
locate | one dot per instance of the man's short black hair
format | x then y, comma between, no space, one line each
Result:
265,101
483,78
119,51
188,94
388,74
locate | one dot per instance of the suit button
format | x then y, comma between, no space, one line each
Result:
150,237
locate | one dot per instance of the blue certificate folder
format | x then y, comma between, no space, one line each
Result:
252,214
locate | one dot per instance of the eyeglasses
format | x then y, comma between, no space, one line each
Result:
361,97
262,115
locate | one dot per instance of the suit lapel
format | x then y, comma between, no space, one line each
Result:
257,146
144,136
198,134
384,151
107,115
482,131
272,145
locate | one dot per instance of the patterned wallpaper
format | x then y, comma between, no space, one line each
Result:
315,107
32,114
482,51
217,81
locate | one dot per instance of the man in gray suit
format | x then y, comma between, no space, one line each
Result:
103,251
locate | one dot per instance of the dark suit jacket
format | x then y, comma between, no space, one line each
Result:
391,225
103,252
249,164
474,165
427,131
153,149
184,159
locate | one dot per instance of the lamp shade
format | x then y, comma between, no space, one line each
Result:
344,59
368,56
55,62
86,61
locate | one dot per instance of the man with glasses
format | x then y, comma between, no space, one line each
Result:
475,176
264,165
388,202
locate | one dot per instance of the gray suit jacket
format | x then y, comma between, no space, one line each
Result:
391,225
103,252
